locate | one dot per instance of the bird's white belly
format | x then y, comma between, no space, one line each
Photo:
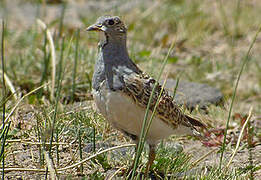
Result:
122,112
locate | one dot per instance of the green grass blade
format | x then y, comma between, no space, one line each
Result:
75,63
176,87
145,123
46,59
246,59
57,147
4,93
3,148
57,96
3,71
154,110
80,148
94,140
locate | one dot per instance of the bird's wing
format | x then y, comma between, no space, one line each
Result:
139,88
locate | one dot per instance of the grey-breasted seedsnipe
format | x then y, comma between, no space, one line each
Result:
121,91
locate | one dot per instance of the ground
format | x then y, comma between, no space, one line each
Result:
212,42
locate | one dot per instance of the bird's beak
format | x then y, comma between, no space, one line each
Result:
94,27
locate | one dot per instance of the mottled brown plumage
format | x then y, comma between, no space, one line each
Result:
139,87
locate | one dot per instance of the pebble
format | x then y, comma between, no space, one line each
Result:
193,94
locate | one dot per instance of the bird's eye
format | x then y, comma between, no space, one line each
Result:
110,22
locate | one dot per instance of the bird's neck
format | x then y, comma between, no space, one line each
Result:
112,53
114,49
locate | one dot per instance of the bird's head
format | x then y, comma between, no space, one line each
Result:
110,25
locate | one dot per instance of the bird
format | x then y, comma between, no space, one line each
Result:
121,91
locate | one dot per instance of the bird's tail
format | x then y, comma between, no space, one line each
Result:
195,122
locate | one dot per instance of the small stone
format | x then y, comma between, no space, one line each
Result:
98,146
174,147
192,94
122,153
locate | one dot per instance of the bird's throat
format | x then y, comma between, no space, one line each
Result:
103,39
113,49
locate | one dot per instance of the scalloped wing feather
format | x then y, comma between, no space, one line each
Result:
139,88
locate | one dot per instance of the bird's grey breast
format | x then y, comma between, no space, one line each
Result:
112,73
99,73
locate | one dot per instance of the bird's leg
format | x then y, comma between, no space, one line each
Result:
152,155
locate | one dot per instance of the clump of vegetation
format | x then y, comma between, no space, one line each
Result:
49,123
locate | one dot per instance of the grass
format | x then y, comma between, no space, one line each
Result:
147,122
212,41
246,59
4,131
